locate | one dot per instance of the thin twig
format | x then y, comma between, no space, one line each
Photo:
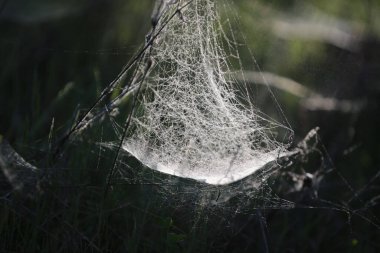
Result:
118,79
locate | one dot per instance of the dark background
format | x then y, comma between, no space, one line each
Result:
56,56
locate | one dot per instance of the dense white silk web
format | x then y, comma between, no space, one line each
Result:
193,119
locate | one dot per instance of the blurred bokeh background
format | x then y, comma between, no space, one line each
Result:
321,58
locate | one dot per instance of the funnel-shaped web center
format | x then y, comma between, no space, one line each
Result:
192,120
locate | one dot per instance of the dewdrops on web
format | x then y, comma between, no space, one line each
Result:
193,120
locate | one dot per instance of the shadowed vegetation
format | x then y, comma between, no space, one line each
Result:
321,60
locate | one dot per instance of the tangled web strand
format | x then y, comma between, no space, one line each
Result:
192,120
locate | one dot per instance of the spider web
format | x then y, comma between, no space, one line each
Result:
193,120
